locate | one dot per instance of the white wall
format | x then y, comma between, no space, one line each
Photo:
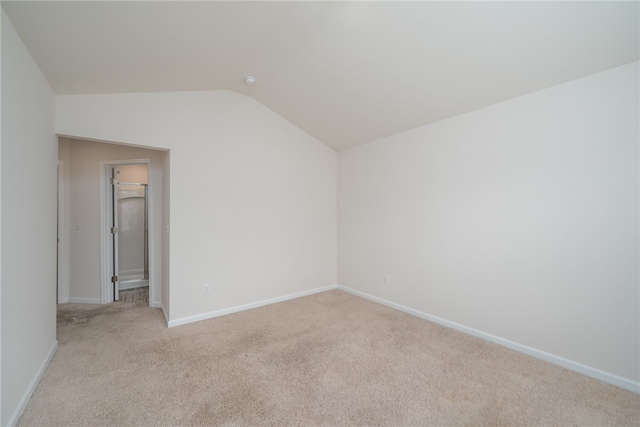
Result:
1,231
518,220
253,198
29,171
1,21
82,161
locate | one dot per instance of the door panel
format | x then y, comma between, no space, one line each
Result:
114,231
131,232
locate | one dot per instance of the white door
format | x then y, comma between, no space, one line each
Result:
129,228
114,231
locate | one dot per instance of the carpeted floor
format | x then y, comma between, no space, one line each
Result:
330,359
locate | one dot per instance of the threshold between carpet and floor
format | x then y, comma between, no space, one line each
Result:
326,359
137,295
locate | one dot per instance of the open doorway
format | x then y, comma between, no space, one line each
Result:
130,232
126,218
87,260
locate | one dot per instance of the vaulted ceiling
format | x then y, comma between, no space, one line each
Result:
345,72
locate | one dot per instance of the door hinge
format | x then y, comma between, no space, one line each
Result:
114,230
114,279
114,181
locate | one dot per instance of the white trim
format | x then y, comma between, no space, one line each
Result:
73,300
236,309
164,312
530,351
106,288
112,142
151,235
130,274
32,386
132,284
105,263
63,238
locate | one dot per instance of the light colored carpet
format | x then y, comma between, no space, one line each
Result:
326,359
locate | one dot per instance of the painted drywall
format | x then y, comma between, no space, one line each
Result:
519,220
253,198
29,171
82,160
133,173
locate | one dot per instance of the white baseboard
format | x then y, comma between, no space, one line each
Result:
225,311
130,274
539,354
164,313
132,284
84,300
32,386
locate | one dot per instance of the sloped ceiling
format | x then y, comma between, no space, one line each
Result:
345,72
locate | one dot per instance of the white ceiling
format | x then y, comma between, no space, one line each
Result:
347,73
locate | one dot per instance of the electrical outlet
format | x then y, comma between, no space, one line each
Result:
387,280
207,288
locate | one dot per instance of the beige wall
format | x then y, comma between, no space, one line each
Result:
82,165
133,173
519,220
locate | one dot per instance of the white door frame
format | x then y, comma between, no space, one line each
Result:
106,242
63,239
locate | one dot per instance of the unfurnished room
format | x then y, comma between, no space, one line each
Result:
388,213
